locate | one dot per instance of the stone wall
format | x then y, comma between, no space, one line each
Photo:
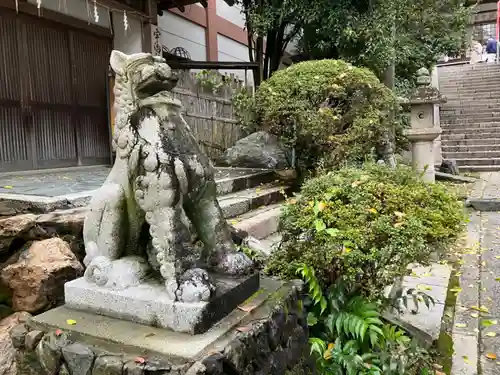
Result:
275,343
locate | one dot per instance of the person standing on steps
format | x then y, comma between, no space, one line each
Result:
491,49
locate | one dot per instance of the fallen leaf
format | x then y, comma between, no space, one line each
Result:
149,334
247,308
243,328
139,360
491,356
474,315
489,323
7,187
460,325
491,334
466,359
71,322
372,210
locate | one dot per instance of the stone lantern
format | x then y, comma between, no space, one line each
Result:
423,132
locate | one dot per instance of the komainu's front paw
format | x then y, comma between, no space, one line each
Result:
117,274
235,264
98,270
193,286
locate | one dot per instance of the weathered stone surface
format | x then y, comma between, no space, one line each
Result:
133,368
64,370
148,303
197,369
7,350
236,347
32,339
79,359
18,336
33,227
450,167
49,354
258,150
154,367
108,365
38,274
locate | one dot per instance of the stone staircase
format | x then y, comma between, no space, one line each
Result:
471,117
250,199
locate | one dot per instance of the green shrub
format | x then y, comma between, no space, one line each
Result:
332,112
365,226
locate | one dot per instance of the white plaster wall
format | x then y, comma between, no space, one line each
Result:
179,32
128,41
230,50
232,14
77,9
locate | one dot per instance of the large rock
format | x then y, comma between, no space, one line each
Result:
37,274
31,227
258,150
7,350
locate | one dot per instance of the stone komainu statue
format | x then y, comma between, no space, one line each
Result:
160,195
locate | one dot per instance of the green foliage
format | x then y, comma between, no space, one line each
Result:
412,33
243,105
332,112
365,226
210,80
348,336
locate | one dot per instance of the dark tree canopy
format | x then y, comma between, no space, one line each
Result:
368,33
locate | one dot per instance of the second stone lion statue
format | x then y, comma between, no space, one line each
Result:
159,196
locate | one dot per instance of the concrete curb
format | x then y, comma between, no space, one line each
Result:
488,204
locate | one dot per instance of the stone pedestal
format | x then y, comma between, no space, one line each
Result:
148,302
267,334
425,127
422,147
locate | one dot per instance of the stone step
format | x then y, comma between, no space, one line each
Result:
470,125
465,97
477,105
467,118
240,206
478,162
467,148
469,90
26,197
480,132
463,134
471,154
457,79
480,168
242,202
272,241
259,223
468,85
471,142
470,111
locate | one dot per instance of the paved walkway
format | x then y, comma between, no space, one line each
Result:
75,180
476,330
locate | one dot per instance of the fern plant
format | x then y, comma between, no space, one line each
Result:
348,335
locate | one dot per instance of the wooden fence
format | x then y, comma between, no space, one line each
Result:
207,109
206,101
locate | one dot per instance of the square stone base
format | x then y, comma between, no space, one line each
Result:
149,304
266,335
